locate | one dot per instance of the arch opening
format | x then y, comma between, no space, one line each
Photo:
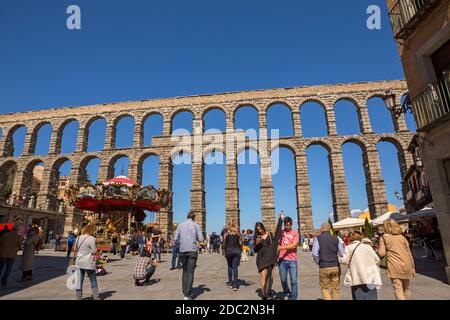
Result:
69,137
313,120
153,126
284,183
347,118
320,184
96,135
124,132
380,117
279,117
249,184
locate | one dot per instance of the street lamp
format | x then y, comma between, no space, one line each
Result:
397,195
396,109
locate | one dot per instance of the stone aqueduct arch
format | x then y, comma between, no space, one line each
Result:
229,103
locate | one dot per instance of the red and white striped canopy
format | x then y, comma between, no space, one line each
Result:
122,180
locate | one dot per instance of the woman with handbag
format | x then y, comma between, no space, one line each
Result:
265,244
363,274
400,263
85,251
232,248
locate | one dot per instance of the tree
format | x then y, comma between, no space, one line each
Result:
368,230
331,227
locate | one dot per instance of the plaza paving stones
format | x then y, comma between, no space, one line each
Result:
211,274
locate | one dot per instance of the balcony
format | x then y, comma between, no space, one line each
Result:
432,104
407,14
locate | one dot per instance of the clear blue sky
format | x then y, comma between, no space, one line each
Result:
149,49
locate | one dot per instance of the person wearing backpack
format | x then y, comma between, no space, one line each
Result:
363,274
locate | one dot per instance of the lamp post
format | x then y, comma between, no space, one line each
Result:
396,109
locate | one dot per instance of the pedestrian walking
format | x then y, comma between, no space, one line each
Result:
141,242
363,274
70,242
287,262
123,244
176,261
189,234
114,242
29,250
10,243
145,267
325,251
232,248
86,250
266,247
400,263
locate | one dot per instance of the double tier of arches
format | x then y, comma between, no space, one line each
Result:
125,140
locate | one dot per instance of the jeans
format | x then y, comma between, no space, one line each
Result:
92,277
175,255
233,263
123,251
284,266
250,243
5,263
188,261
156,250
362,292
141,248
69,250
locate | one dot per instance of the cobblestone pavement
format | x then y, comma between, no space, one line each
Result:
211,274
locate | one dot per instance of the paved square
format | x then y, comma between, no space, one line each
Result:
210,277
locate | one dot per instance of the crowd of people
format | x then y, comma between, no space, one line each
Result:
329,250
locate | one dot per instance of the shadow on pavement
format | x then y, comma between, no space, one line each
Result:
431,268
199,291
45,268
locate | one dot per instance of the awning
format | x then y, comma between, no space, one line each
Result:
420,214
348,223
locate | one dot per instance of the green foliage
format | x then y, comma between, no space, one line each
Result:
331,227
368,230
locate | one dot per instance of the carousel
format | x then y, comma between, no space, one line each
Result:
117,205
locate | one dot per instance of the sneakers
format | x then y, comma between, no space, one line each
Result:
229,285
287,297
235,288
187,298
172,268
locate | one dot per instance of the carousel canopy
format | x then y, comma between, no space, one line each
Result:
121,180
118,194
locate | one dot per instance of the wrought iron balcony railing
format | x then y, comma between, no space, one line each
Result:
407,14
432,104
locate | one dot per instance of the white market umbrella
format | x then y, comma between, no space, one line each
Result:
381,219
348,223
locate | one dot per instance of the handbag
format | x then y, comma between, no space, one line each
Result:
348,281
383,261
73,259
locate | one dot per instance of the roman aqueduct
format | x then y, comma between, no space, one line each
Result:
166,146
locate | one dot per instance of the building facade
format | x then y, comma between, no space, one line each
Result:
422,31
